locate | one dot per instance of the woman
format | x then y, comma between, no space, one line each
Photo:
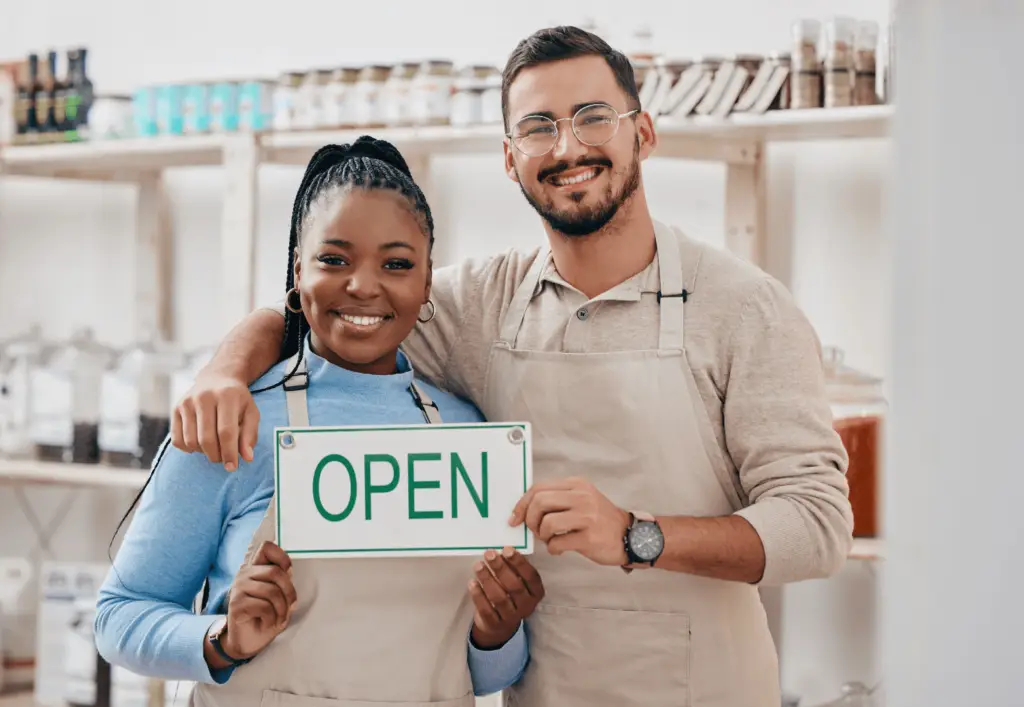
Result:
398,631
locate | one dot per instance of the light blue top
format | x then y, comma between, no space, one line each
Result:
195,520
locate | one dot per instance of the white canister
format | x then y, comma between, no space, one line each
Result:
111,118
490,100
366,96
431,93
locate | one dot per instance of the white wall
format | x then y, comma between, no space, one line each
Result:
64,249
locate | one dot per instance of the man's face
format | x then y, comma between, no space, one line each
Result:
576,188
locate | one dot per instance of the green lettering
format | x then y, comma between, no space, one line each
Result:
353,488
414,484
459,470
372,488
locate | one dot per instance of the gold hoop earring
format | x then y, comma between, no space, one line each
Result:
288,301
421,320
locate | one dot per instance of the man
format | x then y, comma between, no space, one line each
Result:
676,394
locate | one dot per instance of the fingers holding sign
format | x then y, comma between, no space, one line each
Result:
571,515
505,590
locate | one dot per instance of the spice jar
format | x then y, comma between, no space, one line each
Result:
805,69
490,99
135,418
468,98
858,410
366,105
840,34
865,92
18,358
431,94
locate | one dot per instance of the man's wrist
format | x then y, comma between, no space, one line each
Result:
486,642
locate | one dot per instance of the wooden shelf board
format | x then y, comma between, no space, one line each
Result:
56,473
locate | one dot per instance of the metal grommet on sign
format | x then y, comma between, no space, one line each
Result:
516,436
287,440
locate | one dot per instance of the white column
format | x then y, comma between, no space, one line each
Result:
953,591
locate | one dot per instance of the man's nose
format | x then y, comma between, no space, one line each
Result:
567,145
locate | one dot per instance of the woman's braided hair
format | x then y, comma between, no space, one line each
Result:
367,163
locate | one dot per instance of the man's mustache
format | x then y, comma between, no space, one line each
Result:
560,167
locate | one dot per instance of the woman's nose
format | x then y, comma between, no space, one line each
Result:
363,284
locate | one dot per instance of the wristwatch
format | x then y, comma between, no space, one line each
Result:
216,635
643,540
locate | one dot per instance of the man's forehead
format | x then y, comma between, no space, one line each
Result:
557,87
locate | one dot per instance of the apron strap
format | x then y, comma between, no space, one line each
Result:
298,410
672,295
521,299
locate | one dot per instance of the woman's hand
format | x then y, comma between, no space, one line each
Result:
505,590
260,603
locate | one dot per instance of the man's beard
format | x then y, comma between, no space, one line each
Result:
584,221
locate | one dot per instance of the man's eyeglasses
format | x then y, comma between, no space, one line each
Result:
593,125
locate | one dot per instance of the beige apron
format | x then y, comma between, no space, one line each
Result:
364,633
633,423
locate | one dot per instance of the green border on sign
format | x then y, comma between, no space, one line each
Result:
278,431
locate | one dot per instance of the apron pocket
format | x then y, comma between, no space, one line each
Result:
581,656
273,698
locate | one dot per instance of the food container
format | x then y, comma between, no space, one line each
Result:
805,65
490,99
224,107
144,111
366,94
431,93
865,90
169,110
840,34
196,108
135,397
18,358
468,97
396,95
111,118
285,97
255,105
339,97
858,412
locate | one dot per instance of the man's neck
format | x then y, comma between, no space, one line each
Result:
596,263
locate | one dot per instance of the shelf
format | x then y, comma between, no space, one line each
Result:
867,549
727,140
17,699
29,471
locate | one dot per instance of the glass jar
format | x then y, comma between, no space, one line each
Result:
66,401
308,102
865,59
490,99
18,358
840,34
135,418
431,93
396,106
366,94
858,412
338,98
805,65
285,98
468,98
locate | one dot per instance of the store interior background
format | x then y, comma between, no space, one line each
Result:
66,256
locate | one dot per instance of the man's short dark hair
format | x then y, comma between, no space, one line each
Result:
566,42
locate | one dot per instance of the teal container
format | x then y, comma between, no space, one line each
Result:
224,107
144,111
255,105
170,118
196,108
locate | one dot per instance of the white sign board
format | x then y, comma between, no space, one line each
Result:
401,490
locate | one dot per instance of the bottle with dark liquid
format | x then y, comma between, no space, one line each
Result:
26,99
79,91
45,97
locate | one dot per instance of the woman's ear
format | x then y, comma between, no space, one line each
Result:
430,280
296,265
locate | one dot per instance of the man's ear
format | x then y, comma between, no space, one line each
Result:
510,165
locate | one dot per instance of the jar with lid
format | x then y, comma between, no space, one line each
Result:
858,413
66,400
490,99
865,91
431,94
134,418
840,34
18,358
805,65
396,107
467,101
338,98
308,100
366,94
285,97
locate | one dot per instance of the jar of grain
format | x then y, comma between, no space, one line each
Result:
840,34
858,411
865,92
805,65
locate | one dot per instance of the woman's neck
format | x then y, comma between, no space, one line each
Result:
384,366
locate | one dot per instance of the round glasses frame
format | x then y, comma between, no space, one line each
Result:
575,128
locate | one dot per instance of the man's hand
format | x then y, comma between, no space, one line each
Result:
217,417
505,591
571,515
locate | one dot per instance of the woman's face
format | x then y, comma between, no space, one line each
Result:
363,274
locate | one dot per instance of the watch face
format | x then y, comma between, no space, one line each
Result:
646,541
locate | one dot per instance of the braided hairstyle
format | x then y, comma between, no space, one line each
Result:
367,163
